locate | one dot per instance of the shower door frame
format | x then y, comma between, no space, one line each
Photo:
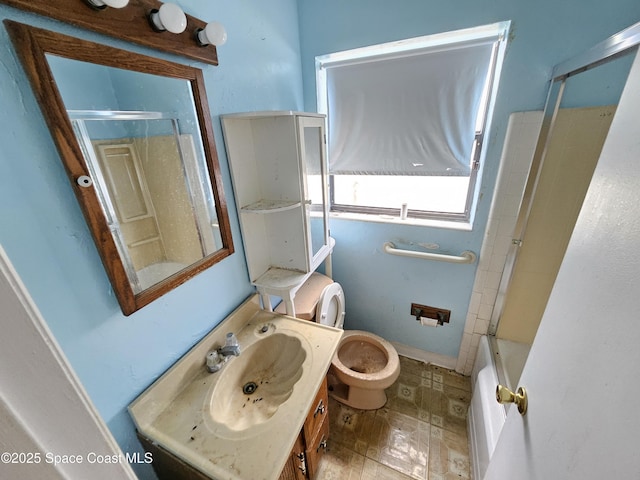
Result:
603,52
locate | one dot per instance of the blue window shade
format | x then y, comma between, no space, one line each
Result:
408,114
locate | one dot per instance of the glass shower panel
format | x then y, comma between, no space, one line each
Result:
562,168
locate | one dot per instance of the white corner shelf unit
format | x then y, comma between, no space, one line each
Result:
279,173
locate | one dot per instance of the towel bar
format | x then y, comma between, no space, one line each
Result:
465,257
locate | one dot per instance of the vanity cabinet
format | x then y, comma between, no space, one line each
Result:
279,172
312,441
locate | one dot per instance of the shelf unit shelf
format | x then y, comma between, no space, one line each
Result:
281,279
279,173
270,206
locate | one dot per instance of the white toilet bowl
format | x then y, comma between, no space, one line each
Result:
364,364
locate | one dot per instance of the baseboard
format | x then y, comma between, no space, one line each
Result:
428,357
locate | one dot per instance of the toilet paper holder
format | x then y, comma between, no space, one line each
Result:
441,315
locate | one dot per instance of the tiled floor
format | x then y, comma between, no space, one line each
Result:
419,434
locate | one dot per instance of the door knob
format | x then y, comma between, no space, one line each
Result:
504,395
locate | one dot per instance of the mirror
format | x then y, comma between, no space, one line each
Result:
135,136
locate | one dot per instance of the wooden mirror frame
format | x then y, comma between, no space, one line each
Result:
32,44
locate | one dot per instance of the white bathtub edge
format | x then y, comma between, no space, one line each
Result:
486,417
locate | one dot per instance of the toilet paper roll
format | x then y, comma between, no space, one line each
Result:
428,322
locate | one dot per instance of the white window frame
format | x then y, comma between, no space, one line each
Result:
437,42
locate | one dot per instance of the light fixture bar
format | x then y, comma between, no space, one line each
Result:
133,24
102,4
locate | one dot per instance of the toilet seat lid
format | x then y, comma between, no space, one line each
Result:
330,309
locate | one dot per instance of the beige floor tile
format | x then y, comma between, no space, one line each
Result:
376,471
340,463
419,434
410,395
400,442
449,408
350,427
448,455
452,378
414,367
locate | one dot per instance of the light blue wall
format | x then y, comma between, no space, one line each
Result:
44,233
378,287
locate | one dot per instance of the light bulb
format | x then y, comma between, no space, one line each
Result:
214,33
100,4
169,17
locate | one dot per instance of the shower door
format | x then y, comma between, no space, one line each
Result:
580,423
580,108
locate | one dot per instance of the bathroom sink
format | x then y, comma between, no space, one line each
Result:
240,422
254,385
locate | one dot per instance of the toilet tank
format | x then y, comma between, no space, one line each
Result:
307,297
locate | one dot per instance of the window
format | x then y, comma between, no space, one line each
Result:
406,122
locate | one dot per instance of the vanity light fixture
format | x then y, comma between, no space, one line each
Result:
214,33
102,4
169,17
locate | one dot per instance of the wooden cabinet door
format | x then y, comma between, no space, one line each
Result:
316,430
295,468
319,411
315,450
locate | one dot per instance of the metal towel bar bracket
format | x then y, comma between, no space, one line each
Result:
465,257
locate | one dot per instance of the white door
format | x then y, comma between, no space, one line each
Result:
582,372
49,429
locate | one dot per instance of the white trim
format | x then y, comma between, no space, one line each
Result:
416,45
50,412
427,357
418,222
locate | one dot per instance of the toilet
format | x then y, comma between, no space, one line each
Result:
364,363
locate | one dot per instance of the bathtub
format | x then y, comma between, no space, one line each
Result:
497,361
156,272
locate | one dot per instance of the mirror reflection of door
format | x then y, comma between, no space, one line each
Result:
127,186
151,190
146,163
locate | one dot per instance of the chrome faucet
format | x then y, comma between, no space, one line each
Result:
217,358
229,350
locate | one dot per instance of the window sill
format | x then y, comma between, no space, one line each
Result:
418,222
